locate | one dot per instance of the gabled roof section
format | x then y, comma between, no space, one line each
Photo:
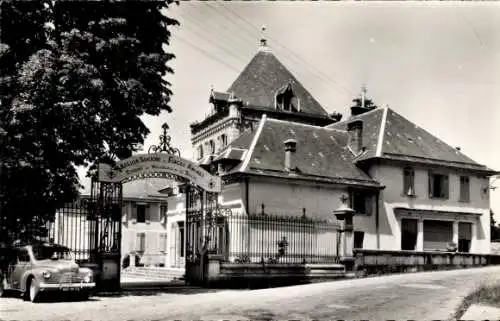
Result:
237,149
372,123
321,154
259,82
218,96
388,135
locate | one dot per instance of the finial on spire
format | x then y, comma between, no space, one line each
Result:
263,40
363,95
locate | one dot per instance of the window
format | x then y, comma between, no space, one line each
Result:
223,139
23,256
361,202
141,242
163,243
464,189
358,239
181,238
200,152
212,147
286,100
52,253
408,234
163,213
141,213
464,236
438,185
409,182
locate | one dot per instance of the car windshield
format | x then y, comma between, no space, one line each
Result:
52,253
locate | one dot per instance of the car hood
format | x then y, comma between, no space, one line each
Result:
59,265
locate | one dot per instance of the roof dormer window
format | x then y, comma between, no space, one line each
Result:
286,99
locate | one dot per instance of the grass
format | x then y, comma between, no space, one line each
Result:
484,294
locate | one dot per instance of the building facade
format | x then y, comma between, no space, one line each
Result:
280,152
285,154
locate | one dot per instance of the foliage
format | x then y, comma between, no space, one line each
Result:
494,227
75,79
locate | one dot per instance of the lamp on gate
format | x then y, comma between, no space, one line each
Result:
164,145
344,211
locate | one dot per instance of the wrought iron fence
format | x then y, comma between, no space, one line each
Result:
72,228
272,239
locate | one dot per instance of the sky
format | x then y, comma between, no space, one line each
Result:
435,63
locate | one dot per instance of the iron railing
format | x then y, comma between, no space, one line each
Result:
272,239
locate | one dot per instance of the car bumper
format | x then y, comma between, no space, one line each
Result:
67,286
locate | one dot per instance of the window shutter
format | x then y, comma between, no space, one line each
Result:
140,243
467,189
412,181
163,243
445,186
405,181
369,203
133,211
431,185
172,236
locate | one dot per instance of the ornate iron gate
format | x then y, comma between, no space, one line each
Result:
104,216
91,228
200,236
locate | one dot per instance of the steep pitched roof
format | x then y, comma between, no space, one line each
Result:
387,134
321,154
145,188
260,80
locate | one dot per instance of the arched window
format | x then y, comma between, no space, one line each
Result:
200,152
223,140
212,147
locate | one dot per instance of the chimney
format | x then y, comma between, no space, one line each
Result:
355,136
290,148
458,148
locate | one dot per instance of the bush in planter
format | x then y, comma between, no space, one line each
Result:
126,260
451,247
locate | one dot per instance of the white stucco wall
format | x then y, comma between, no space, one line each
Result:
153,229
392,196
289,198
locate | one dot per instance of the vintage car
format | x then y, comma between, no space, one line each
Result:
36,268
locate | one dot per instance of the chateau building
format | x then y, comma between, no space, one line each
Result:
278,149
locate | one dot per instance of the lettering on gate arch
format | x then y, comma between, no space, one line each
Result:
159,165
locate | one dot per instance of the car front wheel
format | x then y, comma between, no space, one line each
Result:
2,286
33,291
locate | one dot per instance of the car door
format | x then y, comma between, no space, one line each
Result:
20,266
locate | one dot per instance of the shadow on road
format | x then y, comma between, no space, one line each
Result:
57,298
158,291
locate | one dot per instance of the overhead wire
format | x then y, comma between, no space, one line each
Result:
473,28
300,59
205,53
229,40
315,74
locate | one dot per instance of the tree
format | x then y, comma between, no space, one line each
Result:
494,227
97,67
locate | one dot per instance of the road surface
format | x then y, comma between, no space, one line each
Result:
430,295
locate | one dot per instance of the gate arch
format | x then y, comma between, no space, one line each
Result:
201,189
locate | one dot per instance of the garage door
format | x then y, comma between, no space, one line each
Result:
437,234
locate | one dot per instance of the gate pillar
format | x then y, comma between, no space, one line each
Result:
106,229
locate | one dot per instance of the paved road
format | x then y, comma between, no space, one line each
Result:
431,296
